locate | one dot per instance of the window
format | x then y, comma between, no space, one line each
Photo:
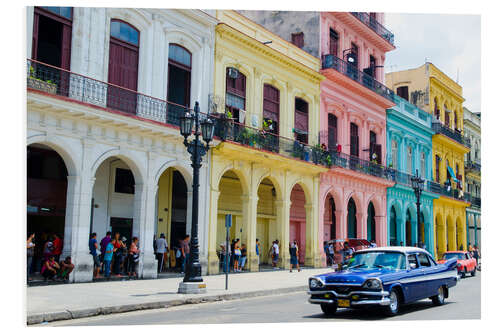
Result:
438,160
437,113
446,117
235,94
298,39
354,140
332,131
394,153
412,260
402,92
422,165
354,54
123,66
61,11
424,260
334,42
456,120
301,120
124,181
375,149
409,162
179,81
271,109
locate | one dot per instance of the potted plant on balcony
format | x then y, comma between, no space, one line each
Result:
317,153
44,85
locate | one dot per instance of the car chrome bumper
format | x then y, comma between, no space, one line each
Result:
384,300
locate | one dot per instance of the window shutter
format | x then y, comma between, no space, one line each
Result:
66,47
34,46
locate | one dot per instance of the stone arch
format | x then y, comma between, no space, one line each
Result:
307,190
61,147
276,183
183,168
245,183
132,162
337,197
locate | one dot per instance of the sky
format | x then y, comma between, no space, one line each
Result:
451,42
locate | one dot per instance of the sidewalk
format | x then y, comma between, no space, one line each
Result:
71,301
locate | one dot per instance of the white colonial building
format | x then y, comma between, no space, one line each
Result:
104,148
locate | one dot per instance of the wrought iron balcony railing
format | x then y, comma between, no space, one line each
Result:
470,165
455,135
332,61
375,26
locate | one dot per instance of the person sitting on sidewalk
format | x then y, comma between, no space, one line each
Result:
66,267
50,268
107,257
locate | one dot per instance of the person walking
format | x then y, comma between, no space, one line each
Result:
30,252
294,261
116,254
476,255
161,250
104,243
275,253
93,248
237,255
257,252
185,252
107,257
133,258
326,249
243,258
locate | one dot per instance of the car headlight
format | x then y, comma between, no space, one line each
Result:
315,283
372,284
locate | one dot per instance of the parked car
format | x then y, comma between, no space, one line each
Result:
465,262
386,277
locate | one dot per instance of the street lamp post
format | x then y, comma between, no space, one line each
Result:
417,184
193,282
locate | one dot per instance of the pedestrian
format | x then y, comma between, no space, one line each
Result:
161,250
243,258
58,246
331,253
476,255
470,248
257,251
345,254
185,252
66,267
116,254
237,255
133,258
294,250
122,256
104,243
30,252
401,244
50,268
327,252
373,243
93,248
461,247
48,248
107,257
275,253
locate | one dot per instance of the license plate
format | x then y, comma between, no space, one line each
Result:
343,303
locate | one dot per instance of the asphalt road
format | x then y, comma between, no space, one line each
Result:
464,303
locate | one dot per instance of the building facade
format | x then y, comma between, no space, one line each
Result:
409,151
352,48
263,174
103,107
472,130
437,94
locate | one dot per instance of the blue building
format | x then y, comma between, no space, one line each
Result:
409,150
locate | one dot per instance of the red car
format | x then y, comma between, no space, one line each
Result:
465,262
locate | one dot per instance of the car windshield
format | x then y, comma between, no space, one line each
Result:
448,256
374,259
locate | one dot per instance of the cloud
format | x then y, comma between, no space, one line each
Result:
451,42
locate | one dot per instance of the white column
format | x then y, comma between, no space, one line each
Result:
143,227
30,10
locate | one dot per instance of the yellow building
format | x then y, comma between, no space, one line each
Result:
435,92
262,173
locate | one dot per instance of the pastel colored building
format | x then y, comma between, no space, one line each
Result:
409,150
472,131
267,98
352,48
104,148
437,94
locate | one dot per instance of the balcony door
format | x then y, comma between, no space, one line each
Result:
123,67
301,120
332,131
272,107
179,82
354,140
334,42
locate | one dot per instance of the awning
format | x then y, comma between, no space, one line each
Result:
452,174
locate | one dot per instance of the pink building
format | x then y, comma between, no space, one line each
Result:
352,49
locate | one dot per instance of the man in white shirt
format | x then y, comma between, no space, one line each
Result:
161,249
276,254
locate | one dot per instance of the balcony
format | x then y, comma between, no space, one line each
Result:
375,26
454,135
475,201
332,61
472,166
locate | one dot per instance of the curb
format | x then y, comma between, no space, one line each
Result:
91,312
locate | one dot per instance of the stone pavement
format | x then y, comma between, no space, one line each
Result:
78,300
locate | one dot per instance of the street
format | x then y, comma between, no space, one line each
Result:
464,303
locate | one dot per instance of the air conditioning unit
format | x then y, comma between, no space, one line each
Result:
233,73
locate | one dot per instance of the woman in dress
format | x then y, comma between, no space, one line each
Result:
294,261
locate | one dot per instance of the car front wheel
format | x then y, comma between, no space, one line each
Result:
393,308
439,298
473,273
463,273
329,309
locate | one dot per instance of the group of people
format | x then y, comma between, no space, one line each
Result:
46,258
113,255
474,253
178,259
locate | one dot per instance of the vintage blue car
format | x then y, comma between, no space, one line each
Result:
386,277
